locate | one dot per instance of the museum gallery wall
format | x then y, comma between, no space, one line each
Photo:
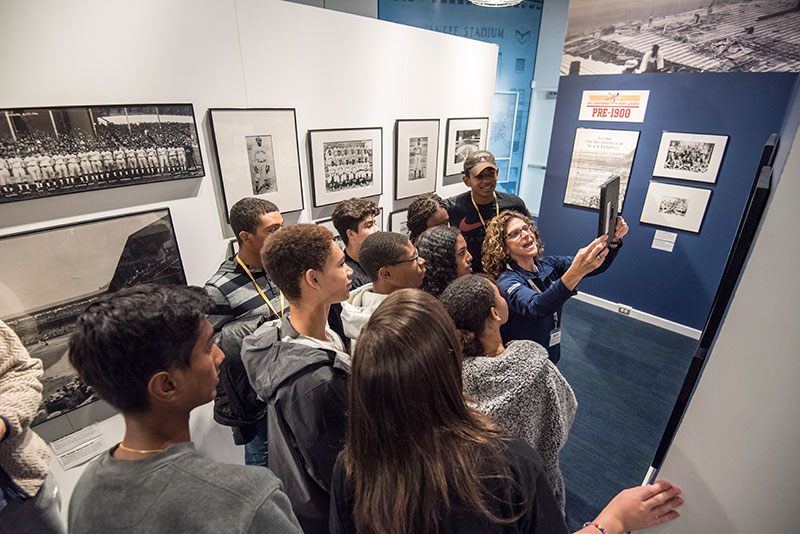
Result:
691,162
349,72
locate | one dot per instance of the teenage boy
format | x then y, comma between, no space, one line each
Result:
392,263
240,287
148,351
354,219
242,294
471,211
299,367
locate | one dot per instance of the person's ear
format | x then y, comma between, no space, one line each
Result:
385,272
311,277
465,177
245,236
162,387
350,234
494,315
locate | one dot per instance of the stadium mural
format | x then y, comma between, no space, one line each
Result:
635,36
41,303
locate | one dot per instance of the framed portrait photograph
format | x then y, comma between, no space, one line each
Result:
675,206
258,156
345,163
398,222
41,303
687,156
58,150
416,149
464,136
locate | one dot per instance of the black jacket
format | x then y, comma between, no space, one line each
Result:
236,404
305,389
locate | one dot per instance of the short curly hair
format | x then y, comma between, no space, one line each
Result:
348,213
469,301
420,210
437,246
381,249
494,252
293,250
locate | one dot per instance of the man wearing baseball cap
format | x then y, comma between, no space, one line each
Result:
471,211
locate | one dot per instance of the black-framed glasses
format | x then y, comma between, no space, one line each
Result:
518,232
415,257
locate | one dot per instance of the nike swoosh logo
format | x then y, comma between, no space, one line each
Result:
464,227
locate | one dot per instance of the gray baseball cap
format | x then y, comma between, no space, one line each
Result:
477,161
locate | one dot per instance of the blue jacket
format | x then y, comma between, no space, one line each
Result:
530,313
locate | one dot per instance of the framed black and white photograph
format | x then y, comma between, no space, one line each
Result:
258,155
675,206
398,222
686,156
464,136
345,163
416,152
50,151
328,223
66,269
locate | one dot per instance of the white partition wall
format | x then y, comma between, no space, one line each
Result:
735,452
337,70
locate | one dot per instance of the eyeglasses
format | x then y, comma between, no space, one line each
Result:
415,257
518,232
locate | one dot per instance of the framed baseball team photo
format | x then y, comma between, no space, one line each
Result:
258,155
686,156
464,136
47,151
416,149
345,163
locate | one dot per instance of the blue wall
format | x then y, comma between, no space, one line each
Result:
680,285
514,29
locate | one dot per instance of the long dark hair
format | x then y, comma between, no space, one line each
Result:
437,246
469,301
413,444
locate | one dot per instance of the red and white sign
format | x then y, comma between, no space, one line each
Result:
614,106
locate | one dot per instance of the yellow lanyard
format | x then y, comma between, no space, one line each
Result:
534,286
260,292
496,208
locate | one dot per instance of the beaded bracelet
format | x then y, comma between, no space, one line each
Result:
596,525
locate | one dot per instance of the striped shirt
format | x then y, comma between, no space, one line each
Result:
236,297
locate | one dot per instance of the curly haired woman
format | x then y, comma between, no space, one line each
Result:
446,257
537,286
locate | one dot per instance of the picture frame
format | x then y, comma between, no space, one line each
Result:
416,151
95,257
597,155
258,155
398,222
504,120
328,223
675,206
463,136
608,208
345,163
685,156
57,150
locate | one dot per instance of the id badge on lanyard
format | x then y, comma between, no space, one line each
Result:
555,333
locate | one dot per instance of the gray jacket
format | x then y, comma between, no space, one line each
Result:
305,389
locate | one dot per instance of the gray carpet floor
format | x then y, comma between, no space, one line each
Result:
626,375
